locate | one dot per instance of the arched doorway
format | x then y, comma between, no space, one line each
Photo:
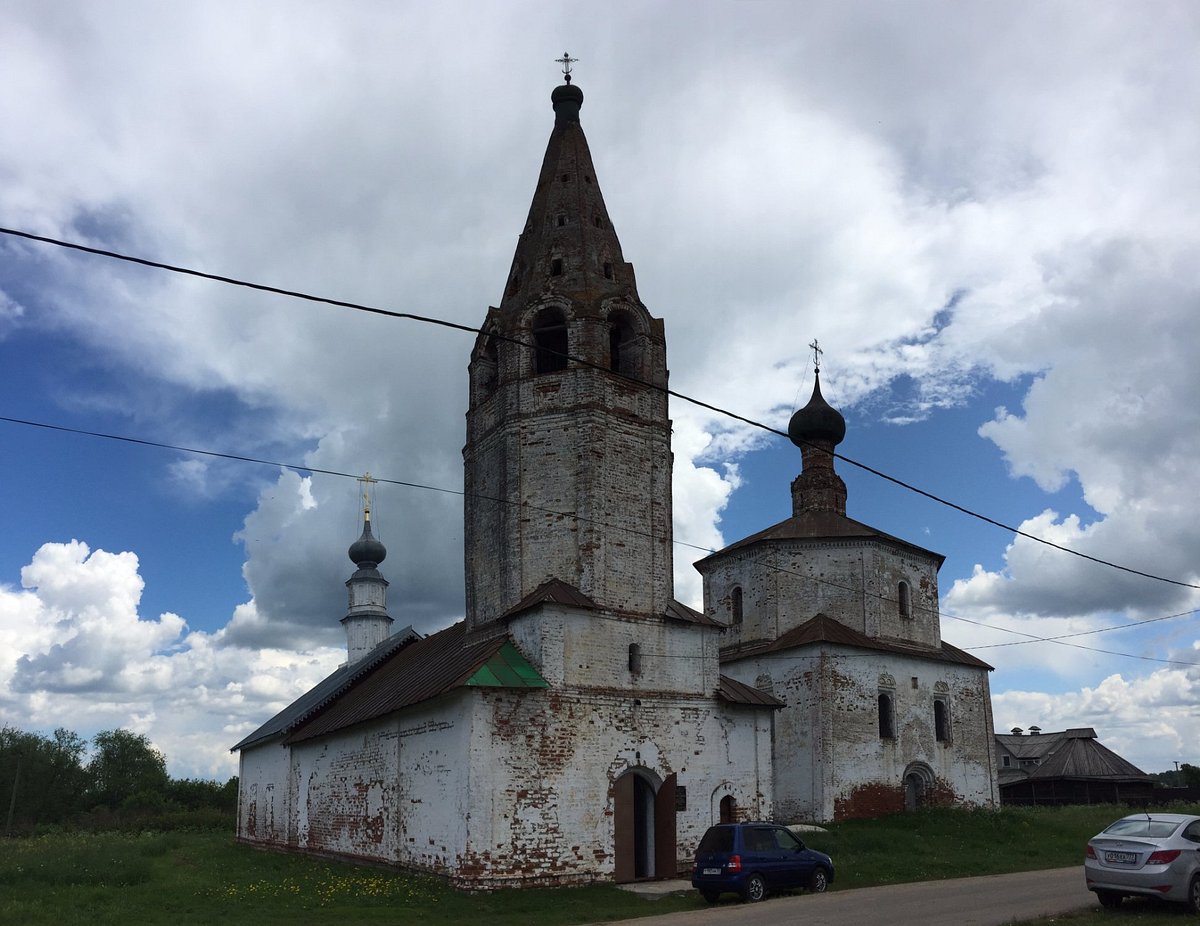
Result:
918,779
727,809
643,827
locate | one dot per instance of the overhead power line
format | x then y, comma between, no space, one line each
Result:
1029,638
360,307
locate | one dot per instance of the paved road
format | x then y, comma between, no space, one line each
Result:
992,900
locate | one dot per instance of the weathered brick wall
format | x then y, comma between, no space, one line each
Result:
264,798
830,761
543,764
591,649
785,583
392,790
495,786
582,442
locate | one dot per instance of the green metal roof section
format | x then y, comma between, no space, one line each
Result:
507,668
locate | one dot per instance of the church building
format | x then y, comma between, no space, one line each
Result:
579,723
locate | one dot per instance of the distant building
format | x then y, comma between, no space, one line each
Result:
580,723
1071,767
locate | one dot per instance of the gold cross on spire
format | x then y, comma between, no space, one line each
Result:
566,61
817,352
366,481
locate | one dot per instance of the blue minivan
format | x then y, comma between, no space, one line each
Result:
754,859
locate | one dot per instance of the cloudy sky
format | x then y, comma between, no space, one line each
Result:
988,213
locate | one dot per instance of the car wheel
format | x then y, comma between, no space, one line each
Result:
1193,897
710,896
818,881
755,890
1109,899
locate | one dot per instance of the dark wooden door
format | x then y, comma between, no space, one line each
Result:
623,834
665,863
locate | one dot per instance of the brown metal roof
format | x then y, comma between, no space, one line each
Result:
824,629
417,673
818,525
327,689
735,692
677,611
552,591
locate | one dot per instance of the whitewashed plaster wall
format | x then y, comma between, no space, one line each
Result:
544,762
830,760
854,581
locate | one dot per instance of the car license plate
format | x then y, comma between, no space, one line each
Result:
712,871
1125,858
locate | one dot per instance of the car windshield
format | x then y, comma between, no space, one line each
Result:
717,839
1143,826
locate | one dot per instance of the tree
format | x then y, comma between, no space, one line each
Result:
42,779
125,765
1191,775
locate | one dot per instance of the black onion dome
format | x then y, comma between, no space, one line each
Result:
366,549
817,421
566,100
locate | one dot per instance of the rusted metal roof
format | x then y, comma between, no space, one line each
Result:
423,670
552,591
677,611
824,629
327,689
818,525
735,692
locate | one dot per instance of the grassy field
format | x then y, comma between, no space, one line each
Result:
185,878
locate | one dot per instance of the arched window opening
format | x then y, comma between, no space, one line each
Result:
904,600
487,367
887,717
635,659
550,341
728,809
735,604
622,344
941,721
562,220
556,267
608,271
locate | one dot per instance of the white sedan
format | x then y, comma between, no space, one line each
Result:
1146,854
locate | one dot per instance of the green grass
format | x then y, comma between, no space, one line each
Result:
196,878
948,843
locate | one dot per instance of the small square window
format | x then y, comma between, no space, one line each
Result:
562,220
914,682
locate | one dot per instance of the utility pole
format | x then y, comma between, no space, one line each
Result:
12,801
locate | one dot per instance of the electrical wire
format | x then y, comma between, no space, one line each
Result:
761,562
339,303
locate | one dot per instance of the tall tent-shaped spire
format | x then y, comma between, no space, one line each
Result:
568,246
367,621
568,460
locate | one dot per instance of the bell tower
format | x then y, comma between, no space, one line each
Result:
568,453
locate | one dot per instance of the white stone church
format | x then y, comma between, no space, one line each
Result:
580,723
